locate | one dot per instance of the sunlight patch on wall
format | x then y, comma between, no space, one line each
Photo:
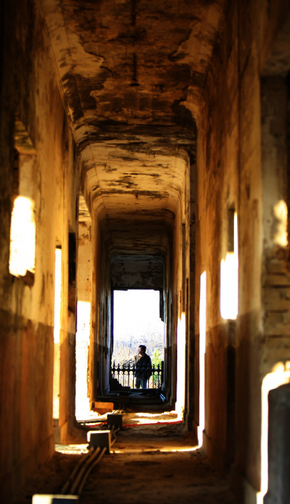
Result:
22,237
57,294
202,348
280,211
181,365
229,274
56,332
279,376
83,321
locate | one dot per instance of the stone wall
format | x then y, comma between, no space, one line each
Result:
29,95
230,175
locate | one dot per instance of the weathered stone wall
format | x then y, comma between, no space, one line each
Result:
105,325
230,176
179,332
84,268
100,347
217,190
30,94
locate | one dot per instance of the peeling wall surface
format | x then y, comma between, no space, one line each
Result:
152,142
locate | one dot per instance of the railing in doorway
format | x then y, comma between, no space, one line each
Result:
125,374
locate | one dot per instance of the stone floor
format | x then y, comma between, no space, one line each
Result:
153,460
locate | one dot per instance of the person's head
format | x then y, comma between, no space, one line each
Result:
142,349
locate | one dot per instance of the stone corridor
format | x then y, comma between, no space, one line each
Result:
145,145
153,462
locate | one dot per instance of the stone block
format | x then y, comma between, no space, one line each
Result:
115,420
276,267
103,407
274,279
100,439
277,324
277,298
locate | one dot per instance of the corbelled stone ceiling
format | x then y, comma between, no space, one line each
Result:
131,73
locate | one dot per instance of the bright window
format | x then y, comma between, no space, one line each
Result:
22,237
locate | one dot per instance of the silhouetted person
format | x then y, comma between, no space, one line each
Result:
143,367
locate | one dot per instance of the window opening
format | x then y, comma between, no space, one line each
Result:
136,321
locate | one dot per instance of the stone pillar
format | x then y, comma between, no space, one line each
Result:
279,446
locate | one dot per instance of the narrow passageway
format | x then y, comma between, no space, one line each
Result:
154,459
144,147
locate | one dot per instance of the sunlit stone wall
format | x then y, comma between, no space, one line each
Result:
30,96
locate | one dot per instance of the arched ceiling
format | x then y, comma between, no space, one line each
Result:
131,74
